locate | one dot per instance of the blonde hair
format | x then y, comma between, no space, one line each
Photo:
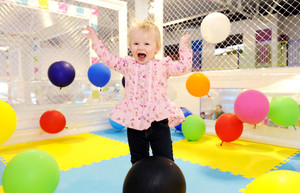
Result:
147,26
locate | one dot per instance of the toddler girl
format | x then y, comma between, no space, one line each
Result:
145,109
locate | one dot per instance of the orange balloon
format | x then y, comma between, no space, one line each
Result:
198,85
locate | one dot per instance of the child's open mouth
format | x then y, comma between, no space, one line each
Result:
141,56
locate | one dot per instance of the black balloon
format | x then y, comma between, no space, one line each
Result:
123,81
154,175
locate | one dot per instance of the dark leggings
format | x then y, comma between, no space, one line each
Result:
157,136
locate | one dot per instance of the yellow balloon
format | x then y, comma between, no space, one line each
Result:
276,182
8,121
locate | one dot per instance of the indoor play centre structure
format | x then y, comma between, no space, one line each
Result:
56,97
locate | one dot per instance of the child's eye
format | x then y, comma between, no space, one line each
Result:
147,44
136,44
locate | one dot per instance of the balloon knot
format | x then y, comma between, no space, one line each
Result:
208,96
254,126
294,127
222,143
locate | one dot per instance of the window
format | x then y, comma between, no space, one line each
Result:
294,52
197,47
232,45
172,51
263,47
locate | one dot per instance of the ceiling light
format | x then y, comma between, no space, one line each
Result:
4,48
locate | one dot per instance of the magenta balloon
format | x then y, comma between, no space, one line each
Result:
251,107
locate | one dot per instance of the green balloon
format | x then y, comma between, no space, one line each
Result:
284,111
32,171
193,128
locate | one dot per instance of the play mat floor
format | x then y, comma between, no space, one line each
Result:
98,162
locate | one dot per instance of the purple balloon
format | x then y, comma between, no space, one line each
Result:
123,81
61,73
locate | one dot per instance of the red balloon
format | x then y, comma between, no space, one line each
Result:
53,121
228,127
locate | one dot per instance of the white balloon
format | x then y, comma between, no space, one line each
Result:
215,27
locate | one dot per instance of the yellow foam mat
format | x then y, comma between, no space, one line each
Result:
239,157
72,151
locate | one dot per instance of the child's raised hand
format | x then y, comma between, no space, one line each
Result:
90,33
183,43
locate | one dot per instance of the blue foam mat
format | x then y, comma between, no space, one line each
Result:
105,177
292,164
176,135
2,167
203,179
108,177
119,135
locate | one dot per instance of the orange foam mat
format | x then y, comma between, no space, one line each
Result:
240,157
72,151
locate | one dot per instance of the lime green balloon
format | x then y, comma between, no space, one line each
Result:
284,111
32,171
193,128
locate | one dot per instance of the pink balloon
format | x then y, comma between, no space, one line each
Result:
251,107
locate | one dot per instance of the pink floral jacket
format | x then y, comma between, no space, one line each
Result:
145,98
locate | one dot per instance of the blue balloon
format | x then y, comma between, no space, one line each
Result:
61,73
99,74
123,81
116,125
186,113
